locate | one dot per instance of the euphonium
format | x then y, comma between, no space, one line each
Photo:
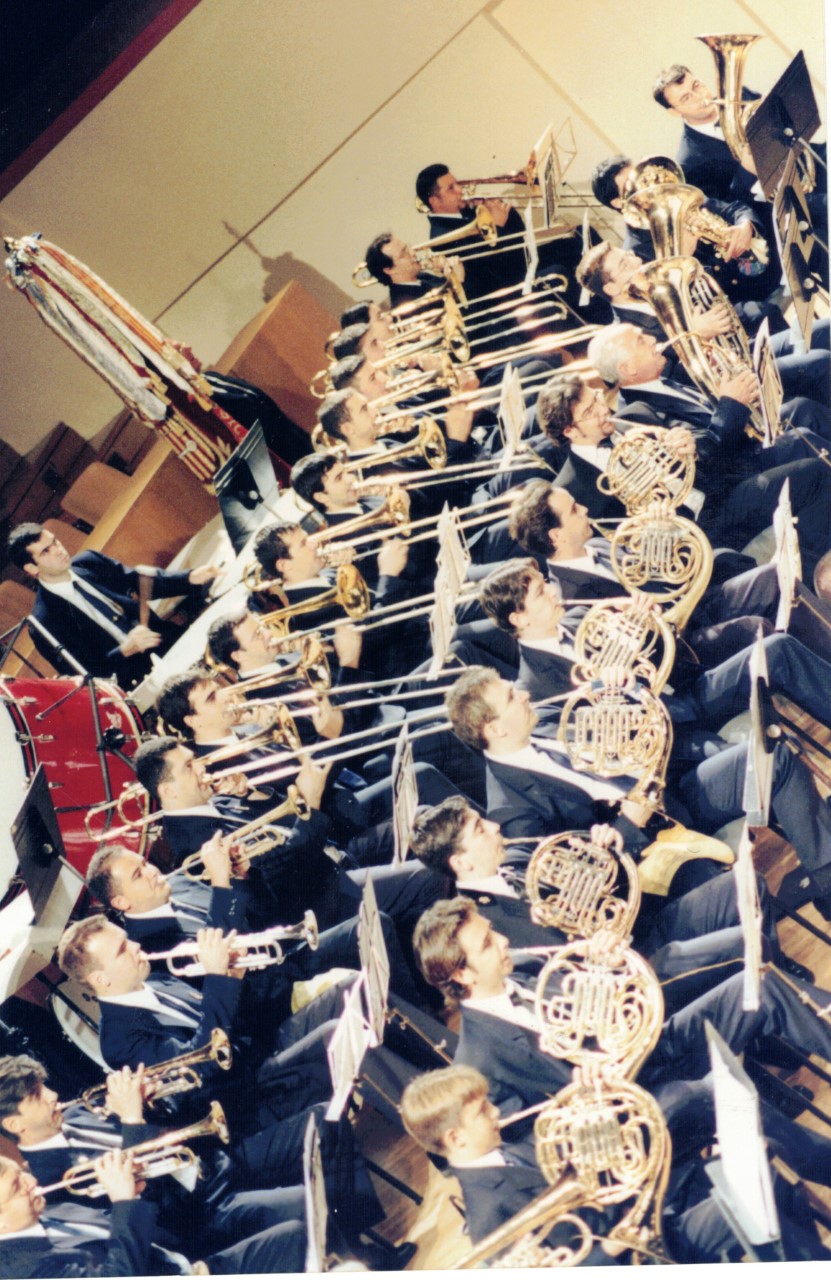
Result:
657,199
604,1146
606,1010
255,838
175,1075
672,286
574,885
641,469
152,1159
350,592
611,732
258,950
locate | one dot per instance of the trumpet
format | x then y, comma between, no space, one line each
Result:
258,950
174,1075
255,838
152,1159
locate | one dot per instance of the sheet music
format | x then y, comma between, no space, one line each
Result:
350,1041
750,918
375,963
770,384
314,1195
787,556
404,795
531,251
758,778
547,173
511,414
741,1145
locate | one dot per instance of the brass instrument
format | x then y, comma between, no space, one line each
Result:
350,593
610,732
427,261
312,663
602,1147
260,950
608,1010
482,225
641,469
730,53
573,885
629,634
255,838
175,1075
429,444
394,510
667,554
657,199
132,792
152,1159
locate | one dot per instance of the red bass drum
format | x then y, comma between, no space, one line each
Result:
52,722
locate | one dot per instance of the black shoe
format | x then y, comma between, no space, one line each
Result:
789,1104
385,1257
794,969
797,889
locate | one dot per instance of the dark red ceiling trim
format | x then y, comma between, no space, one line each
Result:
95,92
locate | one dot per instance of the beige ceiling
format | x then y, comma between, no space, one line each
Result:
268,139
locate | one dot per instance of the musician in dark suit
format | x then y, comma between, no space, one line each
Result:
393,264
89,605
78,1240
462,955
741,481
466,854
439,190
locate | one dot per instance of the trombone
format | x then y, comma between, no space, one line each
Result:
155,1158
429,444
174,1075
350,593
257,950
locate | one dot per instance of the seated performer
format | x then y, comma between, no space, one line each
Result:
75,1239
740,480
253,1185
393,263
460,954
449,1114
88,604
533,791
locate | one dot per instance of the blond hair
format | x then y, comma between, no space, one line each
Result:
431,1104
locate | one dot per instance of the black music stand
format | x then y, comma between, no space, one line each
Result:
783,121
247,488
37,842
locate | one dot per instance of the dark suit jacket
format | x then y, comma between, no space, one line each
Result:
127,1251
511,917
494,1195
130,1035
508,1056
708,163
90,644
543,674
224,909
580,478
532,804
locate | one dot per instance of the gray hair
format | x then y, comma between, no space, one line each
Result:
608,349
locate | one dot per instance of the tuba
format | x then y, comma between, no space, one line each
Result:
604,1147
658,200
672,286
573,886
174,1075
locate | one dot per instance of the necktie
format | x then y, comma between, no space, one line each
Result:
178,1008
188,911
109,608
58,1227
